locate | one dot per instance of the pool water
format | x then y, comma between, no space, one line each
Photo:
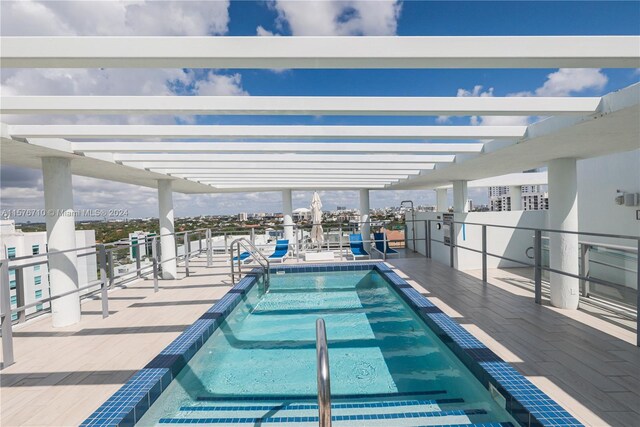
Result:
387,367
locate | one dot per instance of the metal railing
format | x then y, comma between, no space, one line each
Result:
262,260
106,279
323,375
538,265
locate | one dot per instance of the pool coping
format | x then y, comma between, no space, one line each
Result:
523,400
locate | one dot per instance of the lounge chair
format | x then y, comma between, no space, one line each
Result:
357,247
382,245
244,257
281,251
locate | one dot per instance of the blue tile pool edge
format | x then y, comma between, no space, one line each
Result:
524,401
529,405
127,405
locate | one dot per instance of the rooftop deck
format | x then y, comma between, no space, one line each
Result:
585,360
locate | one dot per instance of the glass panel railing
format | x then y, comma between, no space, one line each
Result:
607,263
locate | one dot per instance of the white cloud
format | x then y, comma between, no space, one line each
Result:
567,81
262,32
338,18
111,18
478,91
564,82
221,85
144,17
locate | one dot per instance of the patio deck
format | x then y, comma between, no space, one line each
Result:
582,359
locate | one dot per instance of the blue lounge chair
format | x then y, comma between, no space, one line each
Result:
357,246
281,251
244,257
382,245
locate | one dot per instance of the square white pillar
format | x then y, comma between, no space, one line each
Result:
515,194
365,222
61,236
287,214
442,203
563,248
460,203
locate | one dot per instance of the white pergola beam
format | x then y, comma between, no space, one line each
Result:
258,175
272,147
295,158
175,167
265,132
299,105
303,186
322,52
294,172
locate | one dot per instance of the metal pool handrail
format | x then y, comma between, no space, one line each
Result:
260,259
324,380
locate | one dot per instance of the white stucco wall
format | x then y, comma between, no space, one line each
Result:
500,241
598,180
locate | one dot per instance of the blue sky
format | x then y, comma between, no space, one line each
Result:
23,188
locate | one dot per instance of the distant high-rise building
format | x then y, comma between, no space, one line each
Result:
341,208
242,216
532,198
35,279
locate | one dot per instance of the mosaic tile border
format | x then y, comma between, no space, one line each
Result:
126,406
526,403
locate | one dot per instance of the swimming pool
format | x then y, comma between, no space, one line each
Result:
395,359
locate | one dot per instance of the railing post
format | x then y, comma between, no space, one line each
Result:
226,244
427,237
157,250
199,242
452,233
584,268
384,244
5,308
537,255
187,250
138,259
638,295
253,236
340,242
233,272
20,300
111,269
406,238
484,254
154,260
102,265
209,248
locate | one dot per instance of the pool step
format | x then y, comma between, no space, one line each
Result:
400,418
296,409
302,413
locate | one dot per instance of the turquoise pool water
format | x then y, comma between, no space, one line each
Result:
260,366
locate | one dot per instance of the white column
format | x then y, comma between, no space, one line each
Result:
563,248
460,196
167,238
515,193
365,226
442,204
287,213
61,235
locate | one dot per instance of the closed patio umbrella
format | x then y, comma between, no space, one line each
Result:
317,235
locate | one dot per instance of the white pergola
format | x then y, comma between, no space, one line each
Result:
233,158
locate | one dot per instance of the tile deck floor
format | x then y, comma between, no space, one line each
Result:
585,360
